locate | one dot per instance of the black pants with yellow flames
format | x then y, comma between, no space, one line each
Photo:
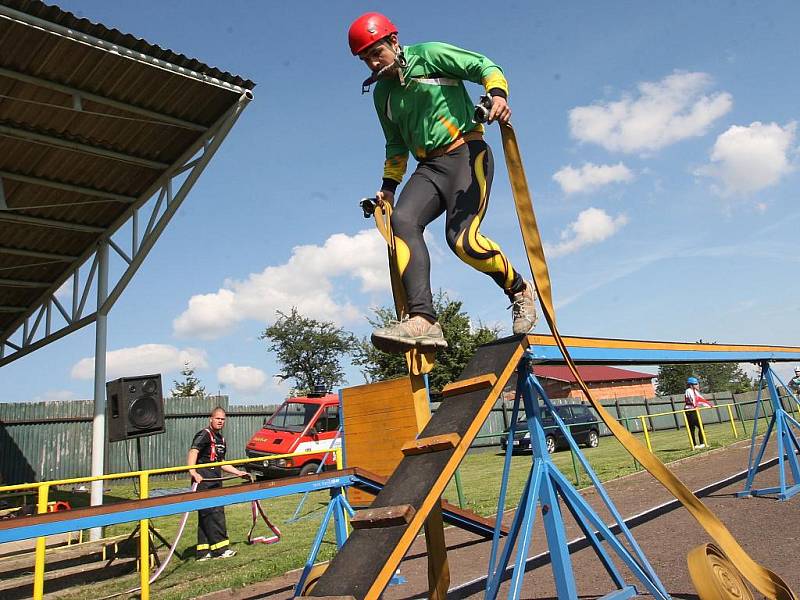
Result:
456,184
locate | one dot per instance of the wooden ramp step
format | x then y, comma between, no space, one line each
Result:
387,516
369,558
473,384
453,515
437,443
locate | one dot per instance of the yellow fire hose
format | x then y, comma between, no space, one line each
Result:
418,362
713,569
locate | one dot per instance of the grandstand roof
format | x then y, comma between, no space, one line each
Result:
91,121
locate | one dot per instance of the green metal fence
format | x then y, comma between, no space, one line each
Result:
52,440
42,441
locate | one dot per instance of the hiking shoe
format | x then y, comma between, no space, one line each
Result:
206,556
411,332
523,309
227,554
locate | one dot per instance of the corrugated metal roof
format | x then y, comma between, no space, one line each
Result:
71,168
56,15
593,374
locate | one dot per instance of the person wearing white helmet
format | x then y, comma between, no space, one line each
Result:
693,400
794,382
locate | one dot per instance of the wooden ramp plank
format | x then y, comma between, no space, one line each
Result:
369,558
453,515
387,516
432,444
469,385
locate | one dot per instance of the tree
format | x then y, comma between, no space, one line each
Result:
714,377
672,379
462,339
723,377
190,386
308,351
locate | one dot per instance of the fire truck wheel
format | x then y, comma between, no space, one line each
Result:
309,469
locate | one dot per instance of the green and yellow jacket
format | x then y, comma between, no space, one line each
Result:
431,108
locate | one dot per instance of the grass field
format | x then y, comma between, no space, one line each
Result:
480,474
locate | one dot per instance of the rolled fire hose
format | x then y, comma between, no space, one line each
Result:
713,569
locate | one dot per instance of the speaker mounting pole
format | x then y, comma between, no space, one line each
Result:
139,453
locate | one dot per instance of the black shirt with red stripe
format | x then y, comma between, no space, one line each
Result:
210,446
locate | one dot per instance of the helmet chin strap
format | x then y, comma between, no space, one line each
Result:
398,63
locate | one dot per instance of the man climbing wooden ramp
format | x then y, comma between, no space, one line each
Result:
372,553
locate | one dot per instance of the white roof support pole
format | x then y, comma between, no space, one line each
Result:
99,419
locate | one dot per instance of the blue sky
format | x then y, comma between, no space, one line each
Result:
660,145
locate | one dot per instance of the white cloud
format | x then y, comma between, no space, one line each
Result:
592,226
142,360
246,380
589,177
747,159
662,113
64,292
306,281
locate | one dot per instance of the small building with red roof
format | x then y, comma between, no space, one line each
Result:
606,383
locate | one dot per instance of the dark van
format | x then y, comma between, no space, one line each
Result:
580,417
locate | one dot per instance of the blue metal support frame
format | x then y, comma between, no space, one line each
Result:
296,516
186,503
788,447
339,509
545,485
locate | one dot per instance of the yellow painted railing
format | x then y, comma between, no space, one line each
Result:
645,429
43,494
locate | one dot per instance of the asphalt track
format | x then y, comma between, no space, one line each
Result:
768,529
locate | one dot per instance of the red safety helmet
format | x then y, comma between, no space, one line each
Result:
368,29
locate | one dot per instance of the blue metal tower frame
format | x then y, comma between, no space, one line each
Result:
545,485
338,508
781,424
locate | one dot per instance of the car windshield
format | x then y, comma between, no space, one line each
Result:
523,422
293,416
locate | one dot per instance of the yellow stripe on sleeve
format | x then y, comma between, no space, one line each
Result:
395,167
495,79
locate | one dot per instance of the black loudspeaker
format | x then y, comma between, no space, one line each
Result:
135,407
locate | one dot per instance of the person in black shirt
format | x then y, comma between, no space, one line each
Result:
208,446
